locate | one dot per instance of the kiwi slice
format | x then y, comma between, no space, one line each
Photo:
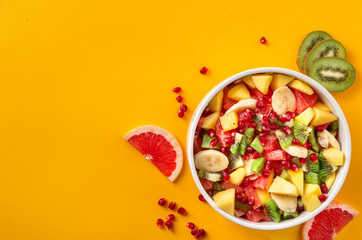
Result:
271,210
257,119
285,175
206,140
326,48
277,122
308,43
256,144
214,177
290,215
235,161
310,166
246,140
217,186
301,132
242,206
335,74
311,177
234,148
312,138
284,139
296,161
325,168
257,165
333,128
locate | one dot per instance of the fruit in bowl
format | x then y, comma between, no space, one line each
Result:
267,148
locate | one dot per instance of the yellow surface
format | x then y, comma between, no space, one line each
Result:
75,76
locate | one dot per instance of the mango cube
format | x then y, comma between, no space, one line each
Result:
215,105
311,202
262,82
239,92
297,178
237,176
210,121
225,200
301,87
282,186
312,189
306,116
322,117
249,81
270,181
334,156
280,80
229,121
322,106
330,180
262,195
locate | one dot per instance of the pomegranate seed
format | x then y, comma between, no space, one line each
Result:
190,225
169,224
265,121
287,130
246,156
203,70
260,103
265,129
289,157
302,160
206,111
322,198
313,157
272,115
181,113
238,196
211,133
214,142
194,231
273,126
176,90
247,116
179,98
285,164
223,150
241,123
263,40
255,155
183,107
290,114
294,167
201,198
308,146
170,217
263,140
226,176
229,140
172,205
251,201
265,172
263,134
248,110
197,235
295,141
202,232
324,188
319,128
267,98
252,124
287,117
283,119
241,130
162,202
245,183
160,223
277,171
249,149
244,199
267,165
233,133
182,211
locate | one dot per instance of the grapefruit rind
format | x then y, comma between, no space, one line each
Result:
169,137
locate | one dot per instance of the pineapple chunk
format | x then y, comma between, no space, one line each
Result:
210,121
249,81
281,186
312,189
262,195
322,106
262,82
215,105
229,121
330,180
225,200
237,176
271,177
301,86
239,92
297,179
280,80
334,156
311,202
306,116
322,117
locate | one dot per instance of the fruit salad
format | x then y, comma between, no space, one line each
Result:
266,148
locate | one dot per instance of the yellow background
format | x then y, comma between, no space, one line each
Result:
75,76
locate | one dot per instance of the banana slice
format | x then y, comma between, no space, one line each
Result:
297,151
290,123
283,100
211,161
326,138
285,203
242,105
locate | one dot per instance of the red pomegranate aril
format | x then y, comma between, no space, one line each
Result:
295,141
172,205
233,133
202,232
249,149
265,172
290,114
194,231
277,171
263,134
289,157
252,124
169,224
203,70
255,155
190,225
170,217
308,146
238,196
241,123
211,133
244,199
223,150
181,113
160,223
287,130
263,40
229,140
294,167
265,129
246,156
201,198
183,107
240,130
267,98
319,128
247,116
287,117
225,176
179,98
182,211
162,202
285,164
283,119
273,126
214,142
267,165
265,121
313,157
302,160
176,90
251,202
206,111
322,198
272,115
260,103
245,183
263,140
324,188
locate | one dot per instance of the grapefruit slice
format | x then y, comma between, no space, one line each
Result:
158,146
329,222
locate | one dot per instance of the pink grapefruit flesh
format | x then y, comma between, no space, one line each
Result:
329,222
158,146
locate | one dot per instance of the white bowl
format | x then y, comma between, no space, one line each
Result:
344,140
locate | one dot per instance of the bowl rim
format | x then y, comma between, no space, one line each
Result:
341,172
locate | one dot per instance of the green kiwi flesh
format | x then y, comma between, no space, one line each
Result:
333,128
311,177
271,210
312,138
235,161
301,132
290,215
206,140
256,144
257,165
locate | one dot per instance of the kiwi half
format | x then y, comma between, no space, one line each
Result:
335,74
326,48
312,138
301,132
308,43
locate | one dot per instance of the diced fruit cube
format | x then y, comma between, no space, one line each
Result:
262,82
311,202
276,155
330,180
249,81
271,210
210,121
229,121
263,196
239,92
257,165
261,182
215,105
270,181
250,193
301,86
228,185
235,161
281,186
304,101
285,203
280,80
225,200
206,140
322,106
237,176
306,116
312,189
334,156
256,144
322,117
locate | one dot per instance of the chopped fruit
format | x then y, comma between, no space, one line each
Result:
311,202
229,121
250,192
213,177
304,101
270,181
306,116
334,156
209,142
249,81
280,80
312,189
176,90
276,155
263,40
263,196
225,200
271,209
256,144
322,106
215,105
158,146
322,117
262,82
285,203
330,180
301,132
322,198
162,202
237,176
210,121
257,165
281,186
239,92
203,70
301,86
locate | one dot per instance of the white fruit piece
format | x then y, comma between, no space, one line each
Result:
242,105
247,166
290,123
283,100
326,138
211,161
297,151
285,203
